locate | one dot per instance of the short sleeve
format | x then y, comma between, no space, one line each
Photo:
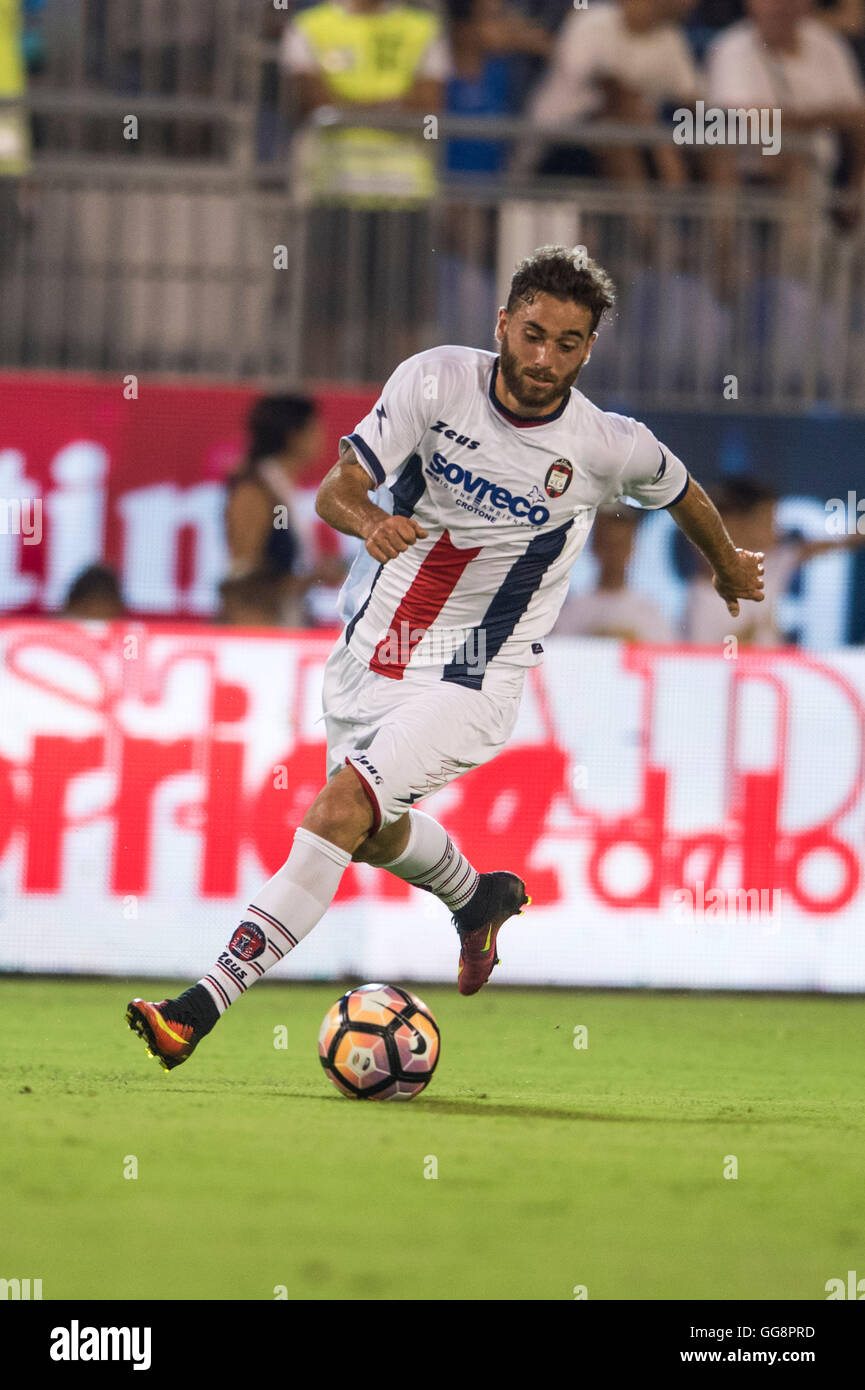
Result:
435,60
735,76
652,476
393,429
296,53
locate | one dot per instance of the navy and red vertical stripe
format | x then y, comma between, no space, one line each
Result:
420,605
507,607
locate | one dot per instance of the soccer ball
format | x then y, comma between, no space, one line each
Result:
379,1043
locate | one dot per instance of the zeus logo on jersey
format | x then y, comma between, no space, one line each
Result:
365,762
442,427
479,488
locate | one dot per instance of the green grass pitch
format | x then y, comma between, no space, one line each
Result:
558,1167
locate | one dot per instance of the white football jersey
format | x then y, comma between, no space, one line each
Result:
507,503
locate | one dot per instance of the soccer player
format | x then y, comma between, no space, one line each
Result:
495,467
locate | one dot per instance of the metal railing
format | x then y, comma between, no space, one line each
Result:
120,262
145,46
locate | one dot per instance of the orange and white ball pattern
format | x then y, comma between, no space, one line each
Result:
379,1042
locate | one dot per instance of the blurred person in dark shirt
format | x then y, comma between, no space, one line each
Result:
95,594
486,36
263,531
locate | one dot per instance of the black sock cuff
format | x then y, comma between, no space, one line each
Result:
199,1002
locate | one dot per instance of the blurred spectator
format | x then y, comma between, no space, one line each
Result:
263,534
781,57
14,138
372,60
368,58
485,36
612,609
95,594
749,511
622,61
528,68
250,601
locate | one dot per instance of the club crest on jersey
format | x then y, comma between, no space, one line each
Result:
558,479
248,941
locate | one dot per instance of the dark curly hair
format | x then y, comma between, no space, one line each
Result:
566,274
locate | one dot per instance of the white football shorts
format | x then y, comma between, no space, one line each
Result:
407,738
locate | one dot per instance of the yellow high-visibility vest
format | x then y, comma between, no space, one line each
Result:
14,129
369,58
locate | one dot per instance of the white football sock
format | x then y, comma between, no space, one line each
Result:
431,860
282,913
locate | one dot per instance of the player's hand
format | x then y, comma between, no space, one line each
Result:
391,536
741,579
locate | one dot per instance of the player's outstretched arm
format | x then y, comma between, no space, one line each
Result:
738,574
343,502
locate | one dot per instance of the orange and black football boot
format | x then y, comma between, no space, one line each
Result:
173,1029
498,896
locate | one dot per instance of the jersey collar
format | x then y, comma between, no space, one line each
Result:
522,422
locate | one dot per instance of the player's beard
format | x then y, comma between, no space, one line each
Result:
534,395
